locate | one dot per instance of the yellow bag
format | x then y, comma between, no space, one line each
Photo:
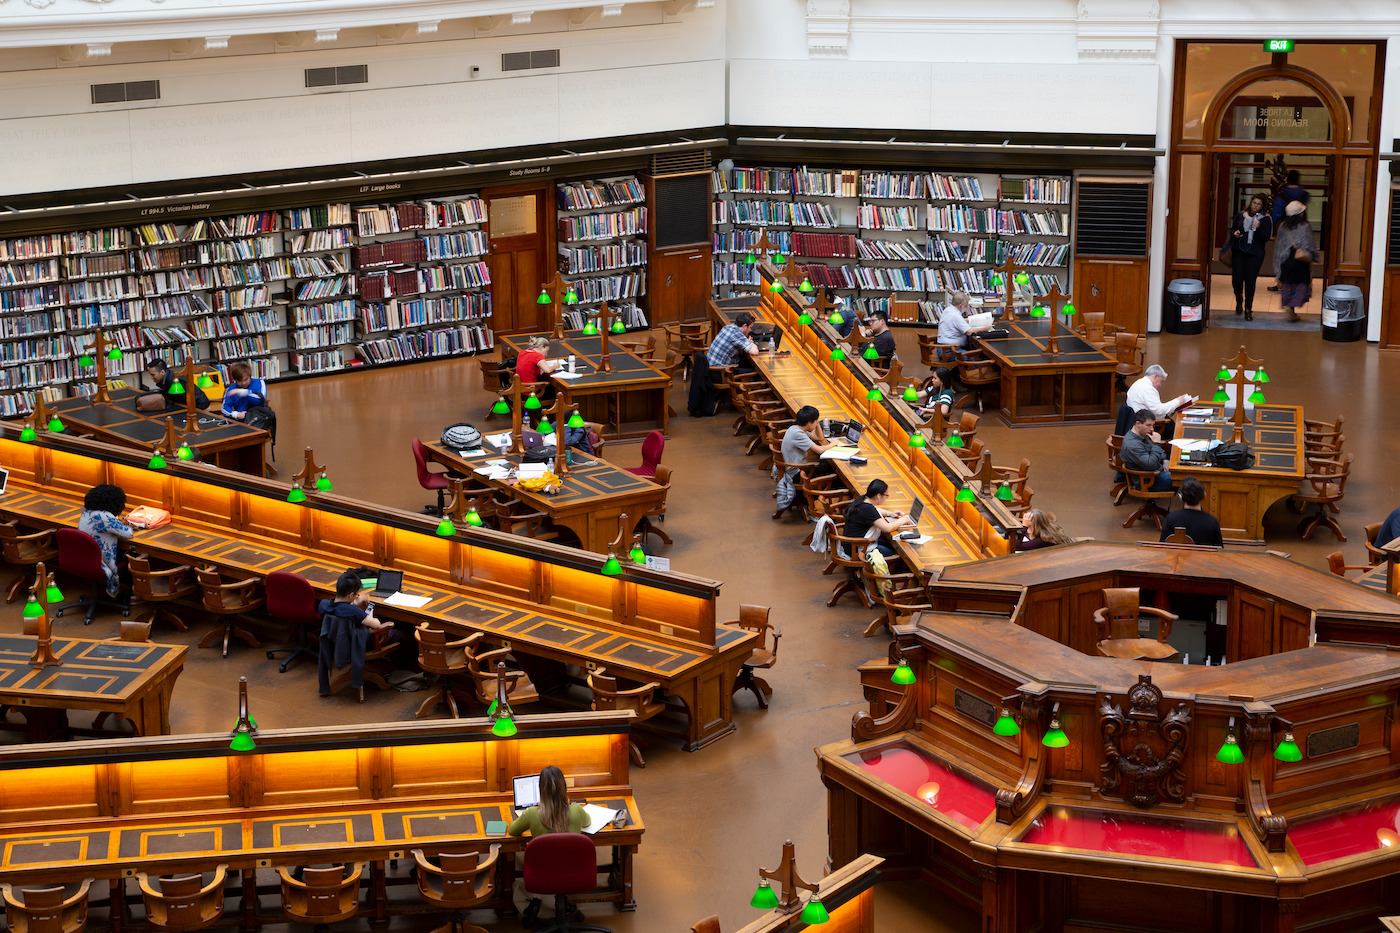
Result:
536,483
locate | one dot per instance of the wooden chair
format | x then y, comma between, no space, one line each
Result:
850,554
970,453
444,662
646,526
513,517
1337,564
160,586
770,432
230,601
781,466
1140,487
1015,480
1330,446
1325,486
1118,621
183,903
378,649
1115,463
491,373
637,347
685,339
1321,430
978,374
1374,552
46,910
1090,327
131,631
755,619
25,551
459,881
1132,358
967,427
934,354
708,925
819,489
899,594
640,700
323,896
482,667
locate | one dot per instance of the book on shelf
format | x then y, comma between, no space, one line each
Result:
586,195
29,273
266,367
447,341
603,226
893,185
610,287
834,183
318,240
240,299
84,267
601,258
317,361
245,225
823,276
258,247
327,312
745,240
453,245
97,241
326,215
30,325
31,247
898,250
1037,190
454,213
885,217
323,335
954,187
394,218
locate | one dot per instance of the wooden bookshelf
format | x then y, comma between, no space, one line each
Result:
602,248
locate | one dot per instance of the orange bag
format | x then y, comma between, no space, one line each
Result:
146,516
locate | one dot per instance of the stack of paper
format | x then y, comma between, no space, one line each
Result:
598,817
841,453
1188,444
561,374
532,469
499,440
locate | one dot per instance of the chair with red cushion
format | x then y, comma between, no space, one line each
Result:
291,599
557,865
429,479
79,555
652,446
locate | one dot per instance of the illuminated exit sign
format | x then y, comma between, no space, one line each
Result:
1278,45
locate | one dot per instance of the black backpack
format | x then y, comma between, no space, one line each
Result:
260,416
1232,456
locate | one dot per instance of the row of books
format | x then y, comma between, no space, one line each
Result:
629,312
448,341
249,322
320,215
840,183
743,240
928,310
878,217
610,287
1034,254
584,195
892,185
834,245
237,348
241,299
316,361
29,273
573,261
324,313
316,241
735,273
263,368
930,186
776,213
603,226
954,219
305,267
418,312
323,335
14,404
242,225
31,247
29,325
378,220
416,281
316,289
900,250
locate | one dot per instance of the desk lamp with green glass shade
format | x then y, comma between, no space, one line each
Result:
1230,752
871,353
1235,372
503,719
903,673
1005,725
837,353
791,885
875,395
590,327
1287,749
246,727
1055,737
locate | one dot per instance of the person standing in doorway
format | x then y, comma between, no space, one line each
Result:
1295,250
1249,231
1291,191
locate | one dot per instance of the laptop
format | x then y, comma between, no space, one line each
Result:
854,430
4,478
389,583
527,791
531,439
916,511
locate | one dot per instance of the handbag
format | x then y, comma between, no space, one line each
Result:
1232,456
151,401
1227,255
147,516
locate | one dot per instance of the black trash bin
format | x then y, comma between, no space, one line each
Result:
1184,307
1343,313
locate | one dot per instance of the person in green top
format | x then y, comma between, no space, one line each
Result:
937,392
554,814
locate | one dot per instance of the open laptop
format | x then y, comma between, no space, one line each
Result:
854,430
916,511
531,439
389,583
4,478
527,791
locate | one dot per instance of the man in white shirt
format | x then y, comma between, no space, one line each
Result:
952,323
1145,394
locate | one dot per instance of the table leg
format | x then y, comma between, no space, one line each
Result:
622,858
250,898
380,895
45,724
116,902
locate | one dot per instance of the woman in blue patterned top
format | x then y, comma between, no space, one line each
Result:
101,508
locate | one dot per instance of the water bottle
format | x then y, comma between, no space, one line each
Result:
571,363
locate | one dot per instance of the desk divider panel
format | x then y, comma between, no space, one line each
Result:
354,539
428,557
30,795
422,770
322,776
272,518
585,594
201,502
676,615
179,785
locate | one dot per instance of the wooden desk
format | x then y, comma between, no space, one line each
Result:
1239,498
223,442
589,503
848,894
1076,386
550,603
959,531
302,797
628,402
131,681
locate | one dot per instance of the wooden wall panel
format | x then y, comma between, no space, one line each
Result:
588,764
175,785
425,770
49,794
310,777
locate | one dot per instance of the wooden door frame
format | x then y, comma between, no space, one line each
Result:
545,214
1341,148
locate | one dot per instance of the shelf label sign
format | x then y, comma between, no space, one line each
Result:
1278,45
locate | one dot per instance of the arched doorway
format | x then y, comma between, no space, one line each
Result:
1260,123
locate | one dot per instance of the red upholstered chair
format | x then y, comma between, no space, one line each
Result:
560,864
430,480
79,555
652,446
292,600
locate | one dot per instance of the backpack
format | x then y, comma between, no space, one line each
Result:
542,454
461,437
260,416
1233,456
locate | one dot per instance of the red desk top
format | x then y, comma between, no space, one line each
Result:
1370,828
1100,831
918,774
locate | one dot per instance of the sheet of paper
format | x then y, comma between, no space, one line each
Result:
563,375
478,452
598,817
1199,412
533,469
498,440
501,462
407,601
491,472
841,453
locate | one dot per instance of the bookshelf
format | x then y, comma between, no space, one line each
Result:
602,247
869,232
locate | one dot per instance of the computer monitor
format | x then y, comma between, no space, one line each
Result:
527,791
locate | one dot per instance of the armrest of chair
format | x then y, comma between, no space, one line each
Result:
183,568
1101,615
1159,613
220,872
642,694
79,895
36,536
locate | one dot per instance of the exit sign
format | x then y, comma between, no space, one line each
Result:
1278,45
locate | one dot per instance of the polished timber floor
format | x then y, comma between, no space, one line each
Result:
715,816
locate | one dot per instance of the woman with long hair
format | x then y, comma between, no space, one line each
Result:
554,813
937,390
1249,231
1295,250
866,517
1041,531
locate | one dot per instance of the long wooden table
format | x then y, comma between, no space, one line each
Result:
221,441
1075,386
801,375
131,681
1239,498
592,497
105,810
549,603
628,402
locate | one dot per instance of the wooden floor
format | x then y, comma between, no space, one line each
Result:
715,816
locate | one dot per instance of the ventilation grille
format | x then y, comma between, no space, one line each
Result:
524,61
682,210
675,163
1392,257
1112,219
329,77
122,92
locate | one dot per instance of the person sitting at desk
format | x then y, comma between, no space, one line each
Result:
848,315
1201,526
805,436
732,346
101,507
952,322
164,378
1390,529
1142,450
531,365
1144,394
938,390
245,393
346,624
553,814
866,517
1041,531
880,337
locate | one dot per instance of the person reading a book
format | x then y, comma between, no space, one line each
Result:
952,322
1201,526
1146,393
1142,451
880,336
245,393
531,365
732,346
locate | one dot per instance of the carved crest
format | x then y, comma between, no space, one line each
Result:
1144,747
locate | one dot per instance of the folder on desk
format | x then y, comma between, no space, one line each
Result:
840,453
